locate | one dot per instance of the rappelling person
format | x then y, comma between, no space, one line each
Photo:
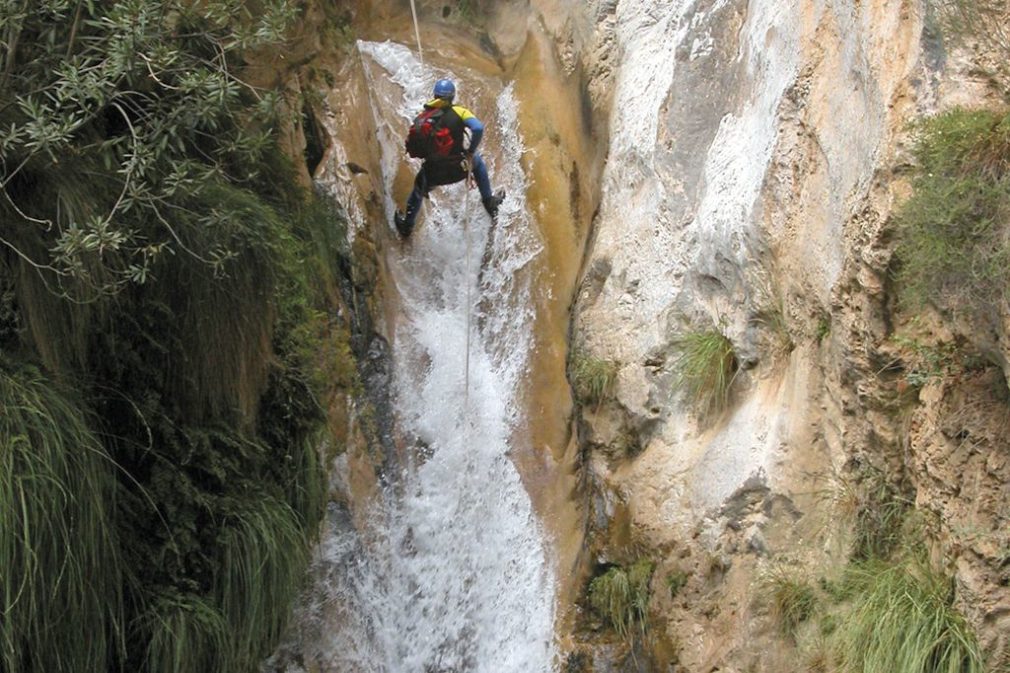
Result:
437,136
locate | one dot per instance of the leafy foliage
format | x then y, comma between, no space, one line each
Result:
229,506
954,249
823,328
199,544
621,596
111,116
705,369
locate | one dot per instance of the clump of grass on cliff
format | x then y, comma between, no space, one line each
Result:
621,596
891,610
263,550
902,619
186,633
61,601
592,378
791,598
879,513
705,369
676,581
954,231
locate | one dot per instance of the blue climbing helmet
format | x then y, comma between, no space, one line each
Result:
444,88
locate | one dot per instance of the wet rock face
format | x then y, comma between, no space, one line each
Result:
747,189
753,167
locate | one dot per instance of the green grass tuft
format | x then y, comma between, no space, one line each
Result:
186,634
705,369
823,328
264,552
676,581
621,596
592,378
881,515
792,600
902,621
60,571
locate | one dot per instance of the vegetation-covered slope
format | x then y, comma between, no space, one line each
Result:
159,329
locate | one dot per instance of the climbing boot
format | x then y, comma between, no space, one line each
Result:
492,202
403,225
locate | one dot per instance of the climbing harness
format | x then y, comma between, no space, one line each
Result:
467,164
466,233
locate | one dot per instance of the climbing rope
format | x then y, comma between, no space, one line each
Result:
417,33
466,236
466,233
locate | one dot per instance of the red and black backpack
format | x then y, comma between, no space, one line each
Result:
436,133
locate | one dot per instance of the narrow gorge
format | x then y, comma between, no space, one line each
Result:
722,388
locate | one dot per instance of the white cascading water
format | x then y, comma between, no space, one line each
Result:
452,572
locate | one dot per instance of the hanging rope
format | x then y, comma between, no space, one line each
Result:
417,33
466,232
466,236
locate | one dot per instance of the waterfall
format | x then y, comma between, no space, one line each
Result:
452,572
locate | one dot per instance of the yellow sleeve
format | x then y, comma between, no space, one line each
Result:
463,113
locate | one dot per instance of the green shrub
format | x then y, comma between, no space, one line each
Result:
466,11
61,601
592,378
705,369
111,113
222,483
621,596
792,600
578,662
901,620
954,251
925,362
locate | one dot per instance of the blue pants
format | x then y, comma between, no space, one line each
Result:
434,174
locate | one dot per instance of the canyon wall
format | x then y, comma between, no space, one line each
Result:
730,167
